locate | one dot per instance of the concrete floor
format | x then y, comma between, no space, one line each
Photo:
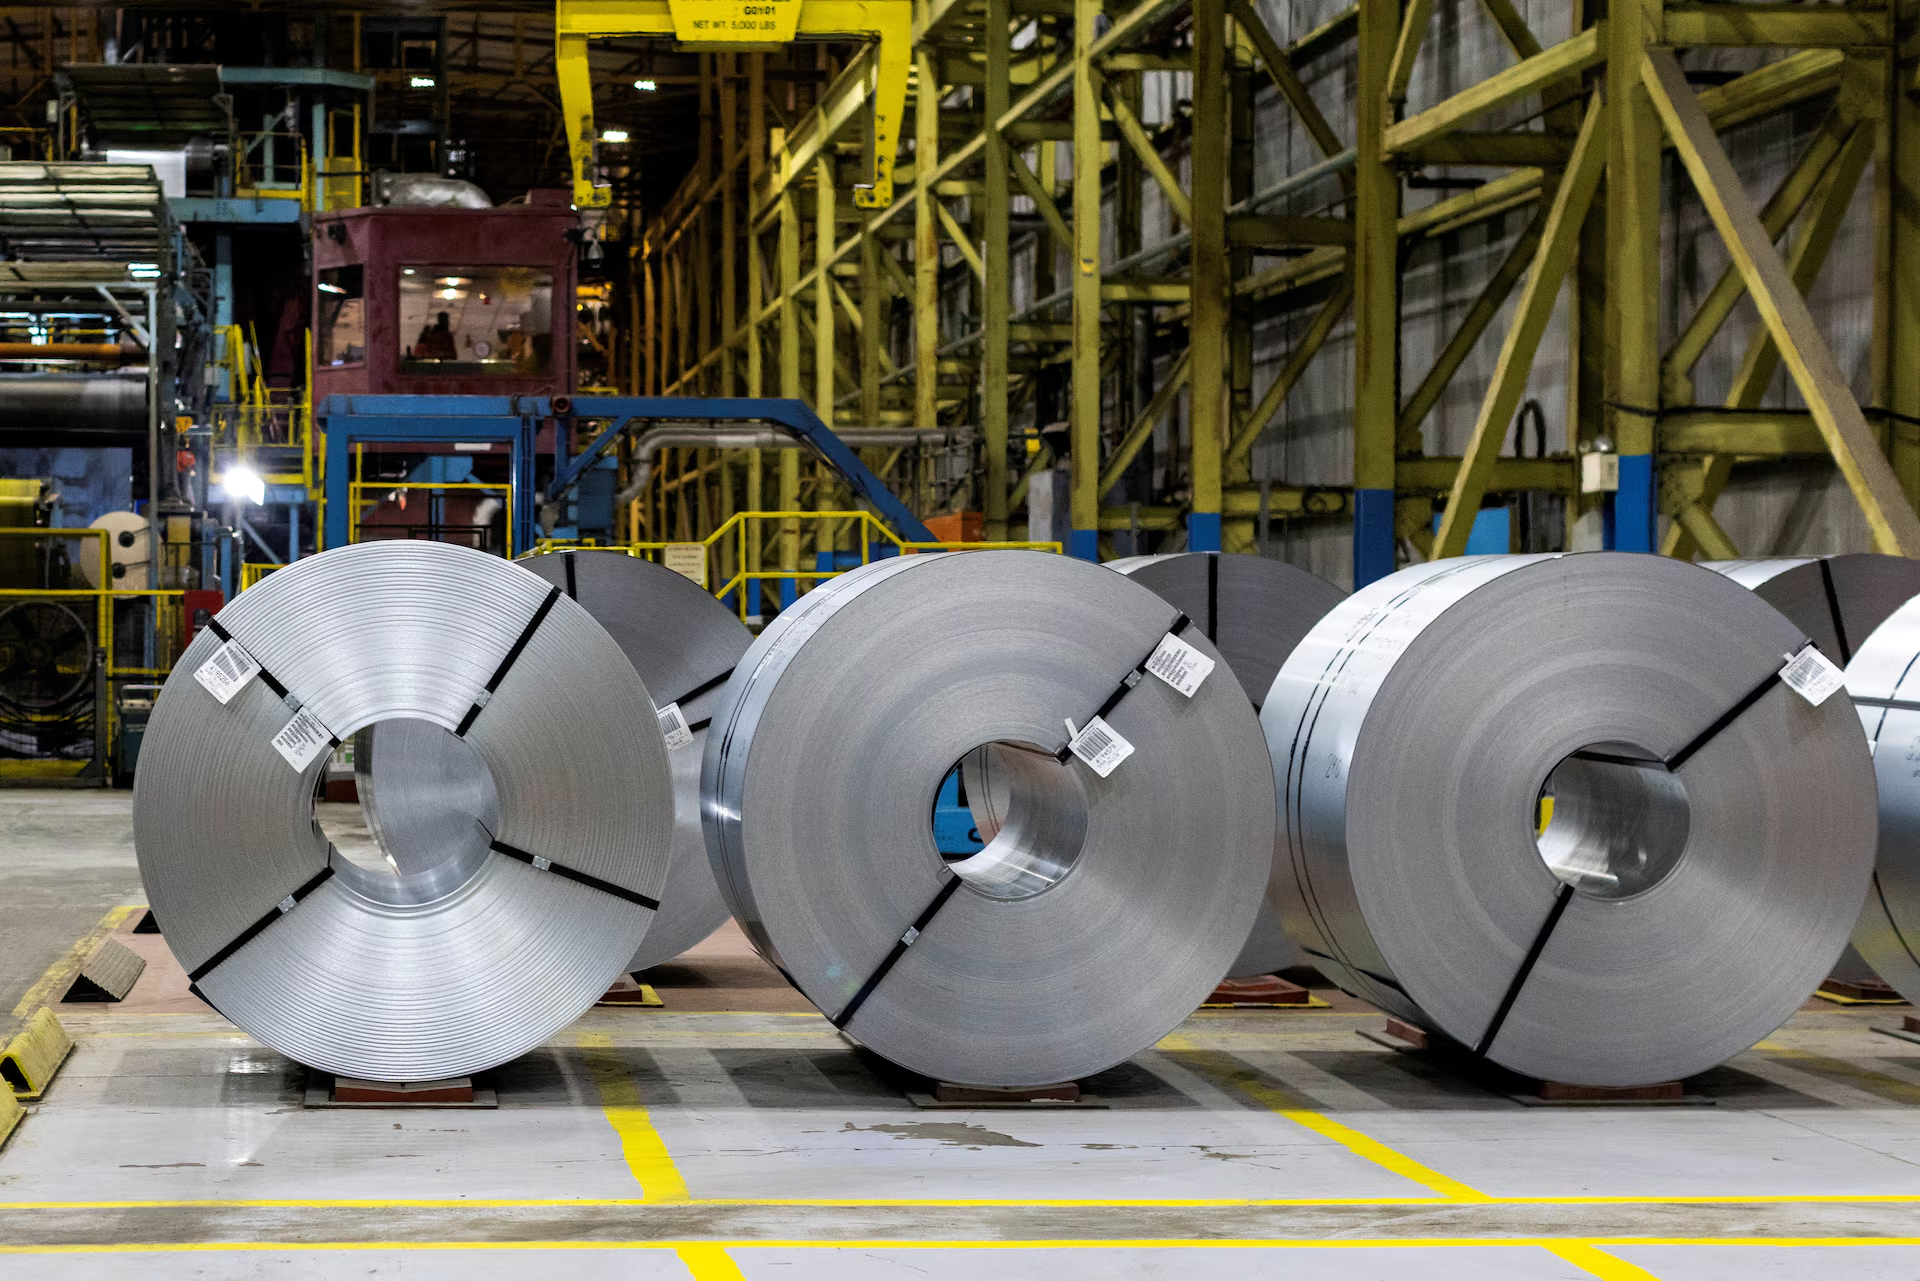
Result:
734,1135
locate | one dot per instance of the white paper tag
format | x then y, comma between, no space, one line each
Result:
228,669
1812,676
303,740
1179,664
1100,746
673,726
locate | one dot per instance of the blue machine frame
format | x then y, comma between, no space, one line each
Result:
351,420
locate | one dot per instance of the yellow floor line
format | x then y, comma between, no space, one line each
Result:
1600,1264
42,991
1582,1251
1237,1075
620,1099
710,1263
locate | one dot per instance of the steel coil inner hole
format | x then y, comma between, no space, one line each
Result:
1028,816
1617,820
420,836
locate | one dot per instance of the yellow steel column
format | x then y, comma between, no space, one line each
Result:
873,322
756,166
926,245
1208,324
1635,143
1900,315
1084,415
995,302
789,368
1376,301
729,231
823,334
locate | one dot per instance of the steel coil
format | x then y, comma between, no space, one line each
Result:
1105,907
1884,682
1711,834
1838,601
1256,610
422,787
445,971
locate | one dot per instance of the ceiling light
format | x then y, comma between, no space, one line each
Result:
613,135
326,288
244,482
421,82
645,86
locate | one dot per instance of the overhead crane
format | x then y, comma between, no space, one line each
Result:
875,81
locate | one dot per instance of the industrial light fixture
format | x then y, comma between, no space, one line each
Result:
406,271
421,82
244,482
613,135
645,86
143,270
326,288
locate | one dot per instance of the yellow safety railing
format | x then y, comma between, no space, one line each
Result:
262,172
251,573
741,526
257,418
383,489
169,626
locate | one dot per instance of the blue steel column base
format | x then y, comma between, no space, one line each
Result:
1203,531
1085,544
1373,540
1633,509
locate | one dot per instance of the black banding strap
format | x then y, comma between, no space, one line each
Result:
267,678
1833,608
561,869
900,947
700,689
506,664
1180,624
1897,704
573,587
1526,968
246,936
1732,714
1213,596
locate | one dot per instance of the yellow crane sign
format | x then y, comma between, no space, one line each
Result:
876,80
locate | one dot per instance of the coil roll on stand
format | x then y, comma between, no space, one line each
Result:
423,787
1883,681
447,971
1838,601
1711,836
1255,609
1110,900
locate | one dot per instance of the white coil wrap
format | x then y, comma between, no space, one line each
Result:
1103,909
468,964
1709,845
422,787
1255,609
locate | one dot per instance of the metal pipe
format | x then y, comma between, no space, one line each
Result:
692,436
103,352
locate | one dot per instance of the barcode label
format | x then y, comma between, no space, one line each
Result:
1100,746
1179,664
303,740
228,669
1812,676
673,727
